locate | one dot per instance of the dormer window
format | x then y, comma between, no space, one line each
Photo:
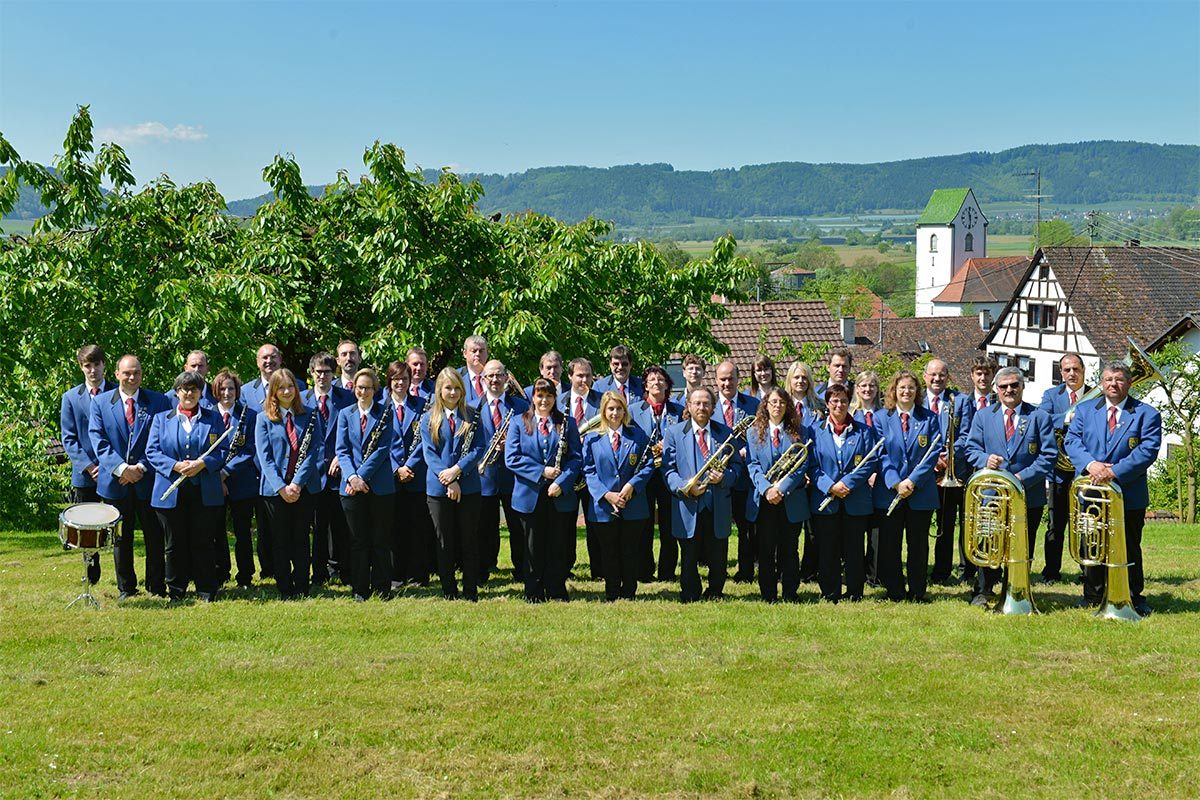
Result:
969,243
933,242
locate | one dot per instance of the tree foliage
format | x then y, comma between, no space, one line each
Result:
1180,367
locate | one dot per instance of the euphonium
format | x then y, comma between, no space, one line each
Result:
950,479
1097,539
996,534
789,462
1141,369
719,459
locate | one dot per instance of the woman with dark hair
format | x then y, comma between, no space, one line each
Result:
450,451
367,487
865,407
908,429
777,506
839,449
762,377
289,439
655,414
543,451
176,448
240,477
617,464
412,529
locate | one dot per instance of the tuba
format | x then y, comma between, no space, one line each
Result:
1141,369
996,534
1097,539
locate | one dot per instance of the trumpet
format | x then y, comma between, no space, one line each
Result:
788,463
719,459
950,479
934,447
495,445
1096,538
995,534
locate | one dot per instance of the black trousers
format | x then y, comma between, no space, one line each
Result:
457,527
331,548
240,513
659,498
810,561
912,527
715,551
1056,528
950,512
187,531
988,577
620,541
134,510
1095,579
370,517
746,551
871,562
841,539
549,550
411,526
88,494
290,525
592,538
778,542
489,533
262,520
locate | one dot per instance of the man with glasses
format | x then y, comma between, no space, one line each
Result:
331,534
496,481
1059,403
1016,437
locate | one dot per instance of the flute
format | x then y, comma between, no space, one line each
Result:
934,447
829,498
179,481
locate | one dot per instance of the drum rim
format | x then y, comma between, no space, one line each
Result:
89,526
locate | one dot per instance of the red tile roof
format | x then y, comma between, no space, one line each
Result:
955,340
985,280
878,307
753,328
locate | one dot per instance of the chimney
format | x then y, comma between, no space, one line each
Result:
985,320
848,335
1133,242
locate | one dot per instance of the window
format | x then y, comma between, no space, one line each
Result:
1041,317
933,242
970,243
1028,366
1055,374
1002,359
1044,271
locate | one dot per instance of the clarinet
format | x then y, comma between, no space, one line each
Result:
377,431
239,437
305,443
416,440
562,443
466,438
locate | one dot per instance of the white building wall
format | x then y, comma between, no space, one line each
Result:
934,270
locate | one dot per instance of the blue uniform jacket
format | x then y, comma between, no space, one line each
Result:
527,454
591,404
607,471
1131,448
241,469
832,464
636,390
448,453
879,494
255,392
964,413
744,405
1030,454
73,423
902,455
402,437
498,478
375,469
113,444
271,444
681,460
760,456
337,400
1056,402
168,444
469,382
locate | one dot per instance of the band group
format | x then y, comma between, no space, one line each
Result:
382,479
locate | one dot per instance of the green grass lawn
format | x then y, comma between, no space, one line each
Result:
325,698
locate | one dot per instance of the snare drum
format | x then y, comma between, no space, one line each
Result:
89,526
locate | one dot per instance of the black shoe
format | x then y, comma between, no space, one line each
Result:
1142,608
1055,578
1086,603
358,598
127,595
980,600
743,577
919,598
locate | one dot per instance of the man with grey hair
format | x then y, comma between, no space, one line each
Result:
475,353
197,361
1016,437
1059,403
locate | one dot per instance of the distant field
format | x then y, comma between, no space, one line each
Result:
997,246
22,227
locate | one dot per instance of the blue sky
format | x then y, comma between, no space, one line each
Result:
214,90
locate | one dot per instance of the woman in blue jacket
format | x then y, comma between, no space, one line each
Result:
414,546
617,465
240,477
542,449
777,507
288,437
909,432
367,487
178,439
449,451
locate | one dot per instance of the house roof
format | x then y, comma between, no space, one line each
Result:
943,206
1120,292
956,340
1189,321
754,327
878,307
985,280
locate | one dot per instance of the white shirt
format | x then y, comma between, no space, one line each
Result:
612,434
771,428
187,422
1108,404
1016,414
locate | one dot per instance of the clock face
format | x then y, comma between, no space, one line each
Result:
968,217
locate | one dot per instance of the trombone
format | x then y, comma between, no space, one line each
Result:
719,459
950,479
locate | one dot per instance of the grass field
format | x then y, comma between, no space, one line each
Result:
252,697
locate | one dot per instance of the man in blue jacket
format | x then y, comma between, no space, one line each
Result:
1059,403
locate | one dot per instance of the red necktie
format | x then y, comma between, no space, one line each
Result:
729,414
703,442
478,386
579,411
657,408
870,422
414,390
624,394
934,406
324,408
1073,396
982,403
400,416
904,421
293,448
450,419
129,411
225,417
1112,419
95,391
1009,428
544,427
775,439
362,423
496,413
616,441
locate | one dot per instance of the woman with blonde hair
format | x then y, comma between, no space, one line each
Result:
799,385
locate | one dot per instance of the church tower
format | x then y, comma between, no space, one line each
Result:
951,230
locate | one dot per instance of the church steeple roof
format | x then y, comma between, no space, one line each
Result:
943,206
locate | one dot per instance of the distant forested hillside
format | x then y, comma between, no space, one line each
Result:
640,194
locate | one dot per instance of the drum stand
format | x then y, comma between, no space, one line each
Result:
86,594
